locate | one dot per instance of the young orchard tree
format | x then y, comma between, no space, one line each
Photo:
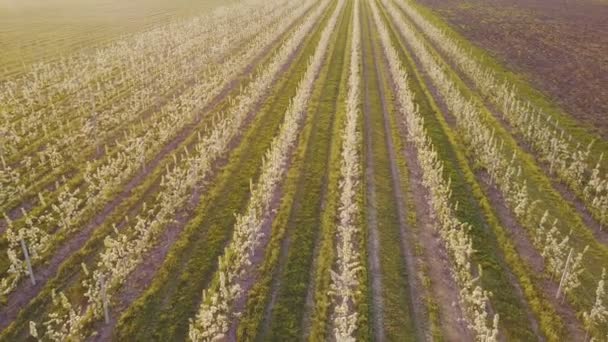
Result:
596,319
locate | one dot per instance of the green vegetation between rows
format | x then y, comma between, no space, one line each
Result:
397,306
298,220
430,323
163,311
325,255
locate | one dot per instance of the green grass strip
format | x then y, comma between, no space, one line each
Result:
397,305
301,218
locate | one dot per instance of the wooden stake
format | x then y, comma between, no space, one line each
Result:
143,164
104,297
28,261
561,282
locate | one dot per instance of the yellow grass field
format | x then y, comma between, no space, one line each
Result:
39,30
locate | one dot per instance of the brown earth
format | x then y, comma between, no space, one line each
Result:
443,286
373,243
560,45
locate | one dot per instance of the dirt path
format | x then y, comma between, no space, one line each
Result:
407,245
371,202
433,254
414,289
27,291
532,258
444,289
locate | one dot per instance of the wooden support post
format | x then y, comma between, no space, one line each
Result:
106,313
26,254
564,275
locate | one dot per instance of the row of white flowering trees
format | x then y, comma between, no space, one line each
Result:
504,172
347,271
114,71
41,140
596,319
217,311
125,251
455,234
128,102
563,262
71,210
177,55
552,144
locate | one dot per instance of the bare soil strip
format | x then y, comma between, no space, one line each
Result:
373,244
560,47
444,289
375,273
